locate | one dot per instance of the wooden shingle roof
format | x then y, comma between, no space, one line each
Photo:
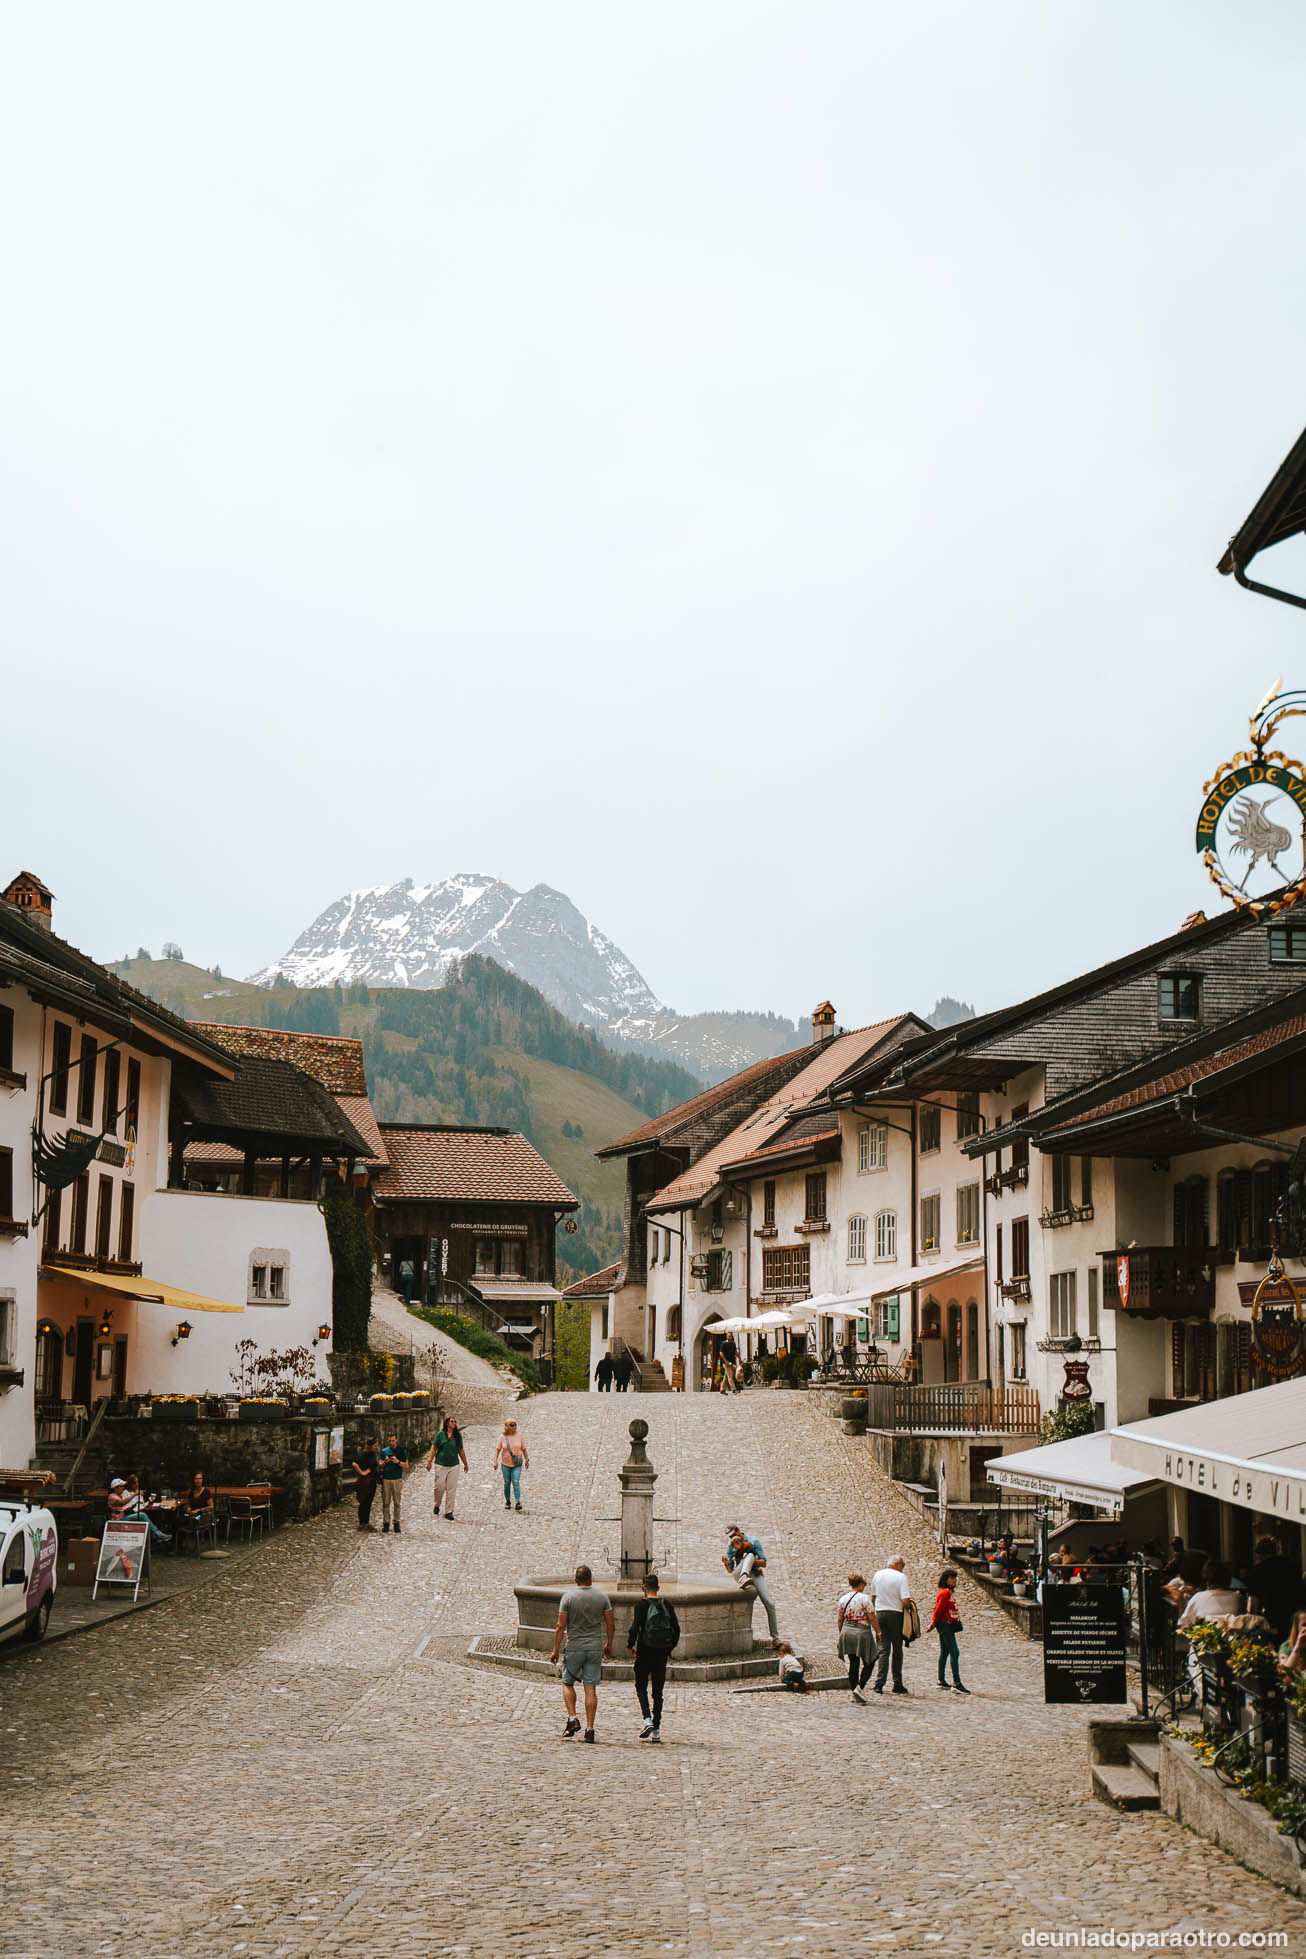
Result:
443,1164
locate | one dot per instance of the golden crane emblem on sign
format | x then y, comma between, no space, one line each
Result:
1252,855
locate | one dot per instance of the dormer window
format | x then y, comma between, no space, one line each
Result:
1288,944
1179,998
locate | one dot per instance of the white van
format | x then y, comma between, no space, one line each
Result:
29,1550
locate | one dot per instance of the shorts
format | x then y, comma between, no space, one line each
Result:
587,1668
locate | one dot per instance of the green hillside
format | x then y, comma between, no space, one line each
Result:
484,1048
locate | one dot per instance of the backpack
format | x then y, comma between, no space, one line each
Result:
659,1628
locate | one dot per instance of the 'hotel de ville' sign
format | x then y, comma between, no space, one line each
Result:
1251,830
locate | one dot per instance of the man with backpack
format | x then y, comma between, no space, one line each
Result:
654,1632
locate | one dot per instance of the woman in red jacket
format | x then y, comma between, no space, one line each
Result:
947,1624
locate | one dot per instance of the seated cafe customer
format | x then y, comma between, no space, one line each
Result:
199,1497
116,1503
1292,1653
1217,1598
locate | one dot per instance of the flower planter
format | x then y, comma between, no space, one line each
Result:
263,1411
996,1568
853,1408
176,1411
1020,1589
379,1403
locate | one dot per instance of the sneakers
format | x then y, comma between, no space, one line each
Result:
901,1690
398,1532
572,1728
957,1688
859,1696
589,1734
385,1530
448,1516
879,1687
646,1730
507,1505
656,1735
519,1506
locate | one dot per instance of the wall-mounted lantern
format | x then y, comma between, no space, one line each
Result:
182,1333
323,1333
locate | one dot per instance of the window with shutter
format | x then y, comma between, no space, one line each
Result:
61,1055
103,1217
886,1234
1086,1181
81,1206
1020,1248
786,1268
6,1183
768,1202
126,1223
968,1117
133,1094
856,1240
930,1223
1094,1325
1061,1183
7,1038
109,1102
54,1206
968,1214
931,1128
86,1080
1177,1389
1020,1144
815,1199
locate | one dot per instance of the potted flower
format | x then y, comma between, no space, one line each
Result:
380,1402
262,1408
1254,1664
176,1408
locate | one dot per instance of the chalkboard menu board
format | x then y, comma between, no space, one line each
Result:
1084,1633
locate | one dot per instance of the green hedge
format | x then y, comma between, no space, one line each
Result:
477,1341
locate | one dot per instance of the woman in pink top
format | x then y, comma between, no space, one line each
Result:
511,1458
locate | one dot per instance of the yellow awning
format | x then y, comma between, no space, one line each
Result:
153,1291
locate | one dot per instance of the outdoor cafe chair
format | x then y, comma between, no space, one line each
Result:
201,1526
248,1516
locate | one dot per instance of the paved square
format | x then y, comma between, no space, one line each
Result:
296,1758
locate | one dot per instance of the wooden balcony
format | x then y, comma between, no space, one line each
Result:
966,1407
1168,1282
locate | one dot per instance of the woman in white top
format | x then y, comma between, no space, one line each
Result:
859,1632
1217,1598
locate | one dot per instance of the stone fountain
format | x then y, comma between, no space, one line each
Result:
715,1613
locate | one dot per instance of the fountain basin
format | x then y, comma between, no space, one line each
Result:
716,1617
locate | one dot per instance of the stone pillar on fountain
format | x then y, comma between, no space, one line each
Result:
637,1477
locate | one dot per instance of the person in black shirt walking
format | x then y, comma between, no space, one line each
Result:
654,1632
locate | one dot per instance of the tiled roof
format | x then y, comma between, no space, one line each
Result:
799,1135
272,1100
830,1059
597,1286
1264,1042
359,1111
335,1060
699,1105
472,1166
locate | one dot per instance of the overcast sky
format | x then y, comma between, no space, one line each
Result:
757,468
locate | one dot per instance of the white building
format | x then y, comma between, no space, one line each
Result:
102,1263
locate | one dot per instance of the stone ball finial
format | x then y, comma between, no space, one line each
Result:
638,1429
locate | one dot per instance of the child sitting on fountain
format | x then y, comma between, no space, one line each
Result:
793,1674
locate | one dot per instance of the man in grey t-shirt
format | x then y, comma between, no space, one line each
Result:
583,1635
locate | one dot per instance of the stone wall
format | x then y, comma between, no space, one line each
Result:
356,1376
165,1454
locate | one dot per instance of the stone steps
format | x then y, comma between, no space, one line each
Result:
1124,1786
1125,1762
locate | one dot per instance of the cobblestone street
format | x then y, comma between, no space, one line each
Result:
296,1758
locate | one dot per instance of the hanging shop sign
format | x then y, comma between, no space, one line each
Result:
1251,829
1278,1323
1076,1385
1122,1278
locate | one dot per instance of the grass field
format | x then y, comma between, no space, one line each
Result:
559,1095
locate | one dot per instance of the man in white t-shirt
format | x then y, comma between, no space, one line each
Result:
889,1592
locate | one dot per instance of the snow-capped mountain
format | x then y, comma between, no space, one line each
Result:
409,934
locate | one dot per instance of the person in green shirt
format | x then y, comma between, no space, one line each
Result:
447,1453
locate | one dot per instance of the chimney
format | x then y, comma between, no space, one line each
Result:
28,895
823,1022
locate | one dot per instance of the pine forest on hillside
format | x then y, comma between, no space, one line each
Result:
484,1048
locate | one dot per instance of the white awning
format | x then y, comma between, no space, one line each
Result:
1079,1471
839,1305
1249,1449
521,1292
930,1275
